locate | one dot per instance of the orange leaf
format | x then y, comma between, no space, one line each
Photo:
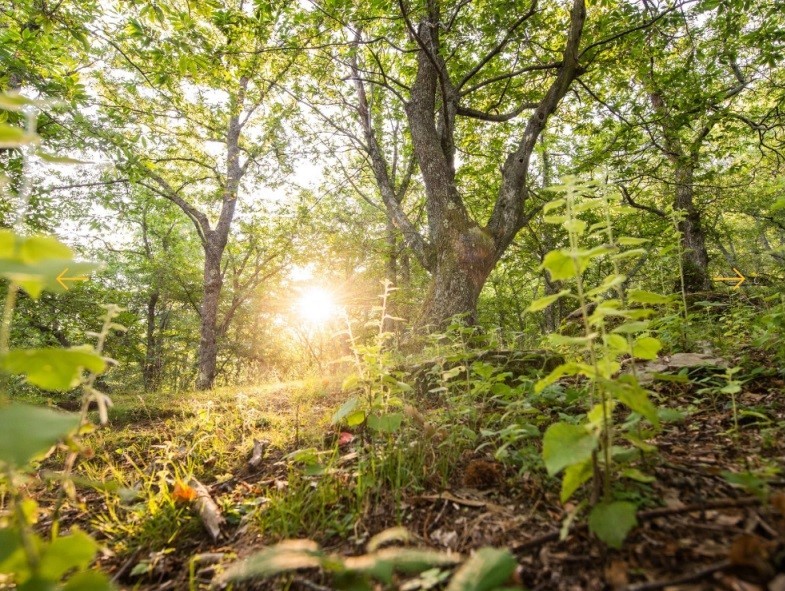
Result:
183,493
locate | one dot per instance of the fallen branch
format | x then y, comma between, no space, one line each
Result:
257,454
688,578
208,510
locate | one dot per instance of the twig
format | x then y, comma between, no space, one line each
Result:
312,585
688,578
649,514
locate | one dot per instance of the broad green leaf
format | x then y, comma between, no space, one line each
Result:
15,137
611,522
90,580
560,265
564,445
355,418
640,296
575,226
610,282
630,394
42,248
551,205
574,476
632,327
27,431
616,343
51,275
74,551
12,554
12,101
486,570
546,301
346,408
556,374
646,348
53,369
387,423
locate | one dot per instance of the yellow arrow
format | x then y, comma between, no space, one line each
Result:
61,278
739,278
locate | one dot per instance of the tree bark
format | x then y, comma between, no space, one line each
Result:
151,371
695,258
208,330
462,267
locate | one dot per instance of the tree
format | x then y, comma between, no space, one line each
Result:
682,113
463,76
193,91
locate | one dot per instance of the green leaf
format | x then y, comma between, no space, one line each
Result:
15,137
574,476
43,248
52,275
546,301
346,408
616,343
74,551
27,431
611,522
627,391
286,556
559,265
646,348
12,101
91,580
486,570
628,254
355,418
382,563
388,423
556,374
637,475
565,444
54,159
630,241
632,327
641,296
54,369
12,554
575,226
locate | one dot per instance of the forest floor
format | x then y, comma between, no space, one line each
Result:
710,517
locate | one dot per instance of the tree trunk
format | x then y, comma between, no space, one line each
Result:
208,340
151,371
695,258
461,270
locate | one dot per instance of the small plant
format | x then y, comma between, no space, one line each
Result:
613,328
35,264
486,570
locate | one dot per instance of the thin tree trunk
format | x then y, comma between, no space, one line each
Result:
152,362
208,338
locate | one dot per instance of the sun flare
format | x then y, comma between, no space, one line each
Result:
316,306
